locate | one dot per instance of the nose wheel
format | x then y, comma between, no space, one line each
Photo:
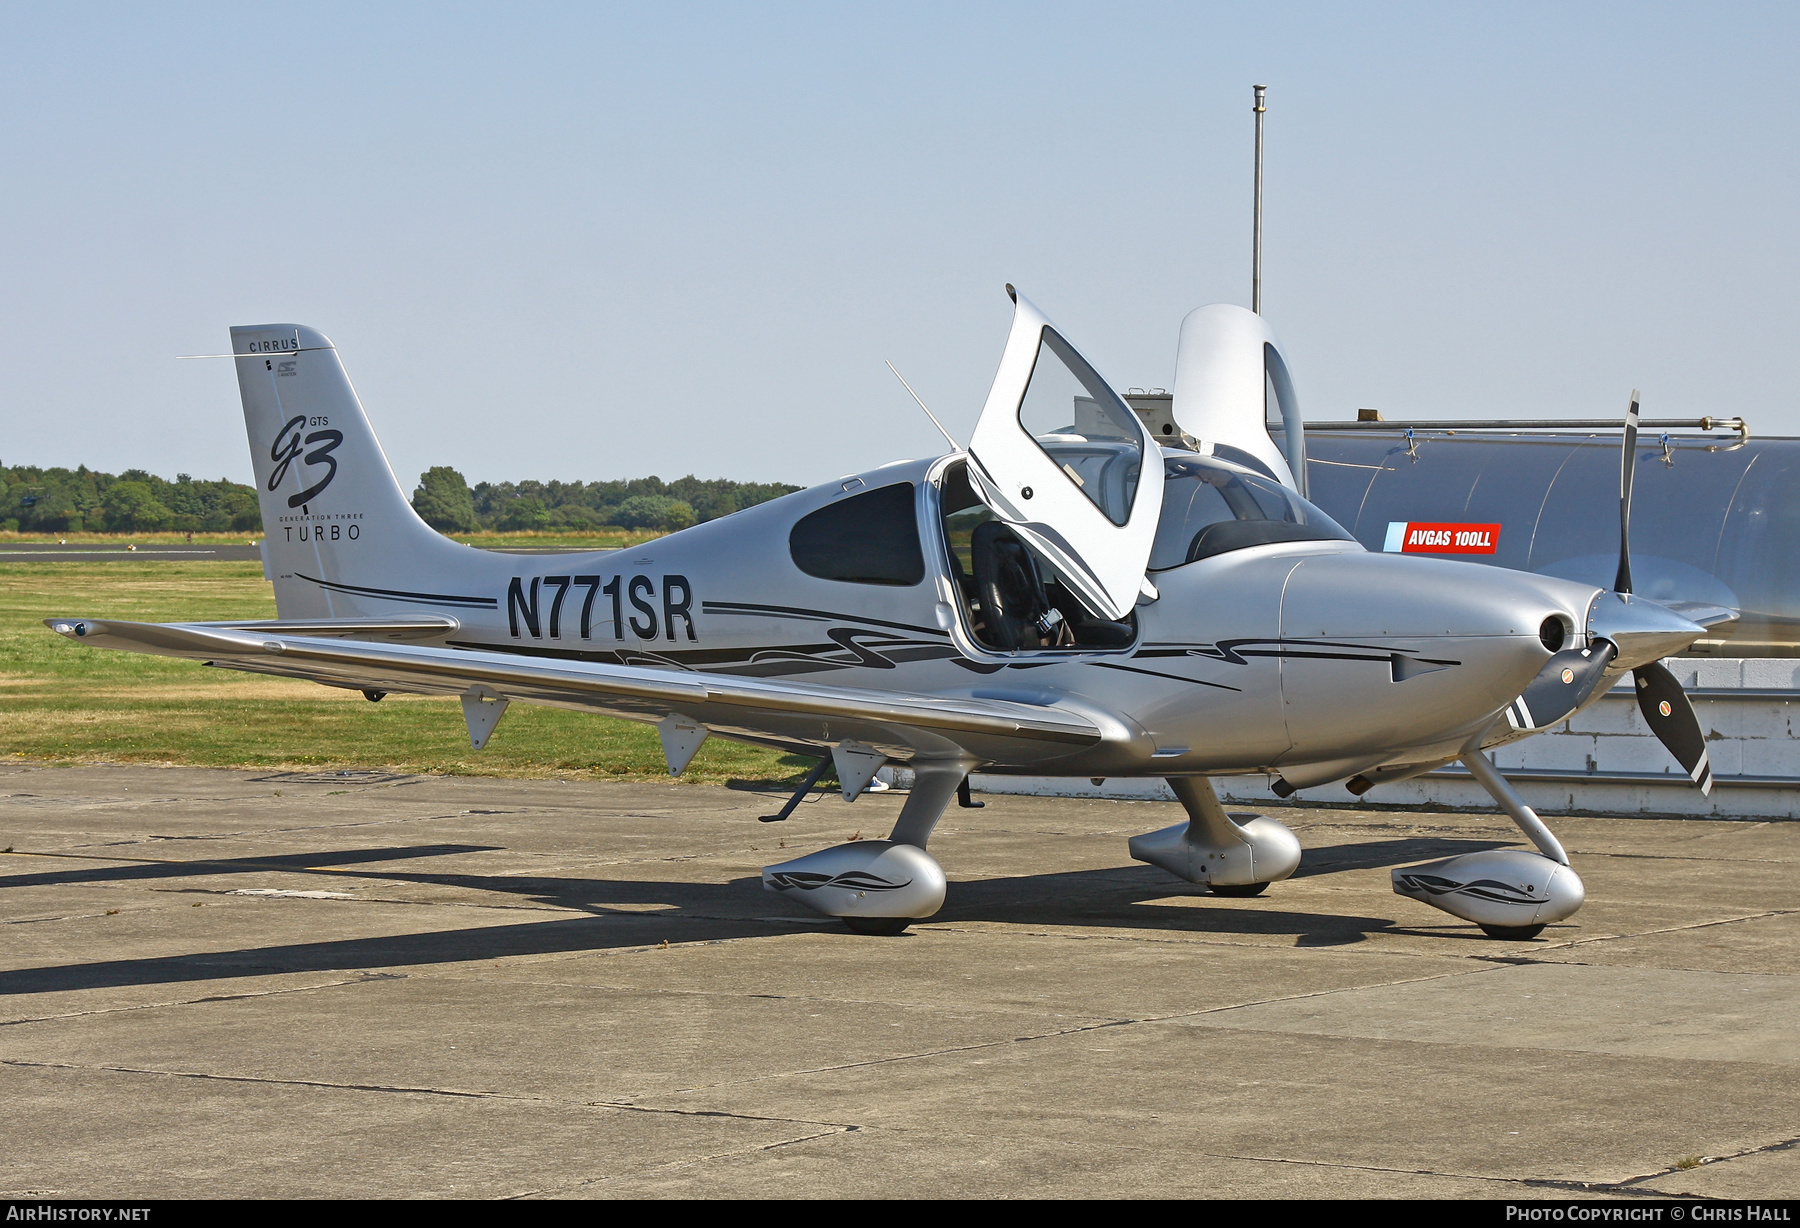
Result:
1510,893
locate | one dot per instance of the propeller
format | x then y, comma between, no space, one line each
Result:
1563,685
1571,676
1666,707
1671,718
1627,467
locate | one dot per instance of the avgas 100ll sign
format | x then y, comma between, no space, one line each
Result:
1432,537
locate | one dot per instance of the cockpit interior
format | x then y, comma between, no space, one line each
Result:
1013,599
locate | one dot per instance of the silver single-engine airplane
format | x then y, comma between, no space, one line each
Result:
1080,592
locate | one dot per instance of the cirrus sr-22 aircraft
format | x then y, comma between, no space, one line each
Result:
1079,592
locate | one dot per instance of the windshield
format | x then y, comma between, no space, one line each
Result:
1210,507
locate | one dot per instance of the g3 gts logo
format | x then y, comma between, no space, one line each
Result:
288,446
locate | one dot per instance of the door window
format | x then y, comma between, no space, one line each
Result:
1091,434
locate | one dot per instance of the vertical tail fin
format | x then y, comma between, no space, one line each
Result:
337,524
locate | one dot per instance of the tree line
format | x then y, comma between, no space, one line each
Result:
37,500
446,502
55,500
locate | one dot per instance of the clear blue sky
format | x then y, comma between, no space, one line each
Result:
585,242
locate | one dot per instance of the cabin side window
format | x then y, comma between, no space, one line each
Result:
870,538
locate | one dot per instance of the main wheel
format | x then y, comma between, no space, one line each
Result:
884,927
1512,933
1238,890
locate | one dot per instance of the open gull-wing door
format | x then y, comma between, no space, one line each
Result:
1232,391
1063,460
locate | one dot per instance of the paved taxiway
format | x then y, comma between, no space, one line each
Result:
238,983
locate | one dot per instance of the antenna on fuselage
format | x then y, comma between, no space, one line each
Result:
957,447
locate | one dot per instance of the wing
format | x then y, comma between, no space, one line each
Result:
792,715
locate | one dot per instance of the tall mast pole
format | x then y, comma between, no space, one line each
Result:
1256,242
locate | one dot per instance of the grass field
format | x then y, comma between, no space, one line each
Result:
61,701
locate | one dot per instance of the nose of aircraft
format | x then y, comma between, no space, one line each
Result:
1643,630
1383,651
1359,594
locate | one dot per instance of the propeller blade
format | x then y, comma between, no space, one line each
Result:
1671,718
1627,466
1565,683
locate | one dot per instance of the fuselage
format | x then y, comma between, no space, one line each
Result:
1269,657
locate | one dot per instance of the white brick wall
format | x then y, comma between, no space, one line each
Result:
1568,752
1611,715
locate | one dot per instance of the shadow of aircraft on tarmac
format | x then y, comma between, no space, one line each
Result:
285,863
1133,897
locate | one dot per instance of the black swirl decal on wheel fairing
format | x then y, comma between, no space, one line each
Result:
850,880
1482,889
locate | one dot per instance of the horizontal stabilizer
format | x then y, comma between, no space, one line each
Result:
425,626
